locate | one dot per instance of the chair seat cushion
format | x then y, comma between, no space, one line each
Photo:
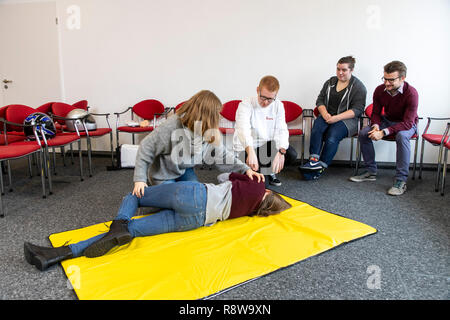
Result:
96,133
18,149
134,129
433,138
226,130
295,132
10,138
62,139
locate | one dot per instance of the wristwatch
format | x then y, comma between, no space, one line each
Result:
282,152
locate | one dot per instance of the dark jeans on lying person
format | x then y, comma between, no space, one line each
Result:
267,152
183,208
330,135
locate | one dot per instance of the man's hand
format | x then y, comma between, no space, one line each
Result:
375,134
139,188
332,119
326,116
252,159
278,163
250,173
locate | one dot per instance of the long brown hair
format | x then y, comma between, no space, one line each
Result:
273,203
204,107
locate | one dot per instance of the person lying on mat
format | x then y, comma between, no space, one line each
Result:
185,205
189,137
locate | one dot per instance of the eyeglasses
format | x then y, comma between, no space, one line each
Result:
263,98
389,80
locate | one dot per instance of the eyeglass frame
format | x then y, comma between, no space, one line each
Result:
391,81
264,98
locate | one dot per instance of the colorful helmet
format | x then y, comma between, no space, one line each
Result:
41,120
79,114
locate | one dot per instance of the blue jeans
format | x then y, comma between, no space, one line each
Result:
189,175
402,139
183,208
329,135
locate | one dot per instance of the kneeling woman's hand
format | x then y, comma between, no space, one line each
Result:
250,173
139,188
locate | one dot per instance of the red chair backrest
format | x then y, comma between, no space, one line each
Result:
45,108
3,112
316,112
17,113
291,110
146,109
82,104
369,111
179,105
229,110
61,109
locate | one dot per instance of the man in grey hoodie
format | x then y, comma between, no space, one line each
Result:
340,104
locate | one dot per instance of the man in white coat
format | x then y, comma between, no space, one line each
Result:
261,131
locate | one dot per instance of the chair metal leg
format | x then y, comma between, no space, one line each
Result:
71,153
415,158
358,157
444,171
41,165
436,185
351,152
421,158
63,154
2,211
303,149
89,155
2,189
112,148
80,154
47,171
9,176
30,170
54,160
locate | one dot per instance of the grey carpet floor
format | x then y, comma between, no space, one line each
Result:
409,254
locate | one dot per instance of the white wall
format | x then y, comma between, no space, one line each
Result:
128,50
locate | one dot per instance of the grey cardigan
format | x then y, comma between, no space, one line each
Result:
354,99
170,149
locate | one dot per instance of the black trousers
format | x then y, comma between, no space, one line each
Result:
267,152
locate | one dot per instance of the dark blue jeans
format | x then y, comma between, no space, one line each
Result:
329,135
183,208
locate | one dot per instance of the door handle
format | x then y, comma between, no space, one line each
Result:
6,81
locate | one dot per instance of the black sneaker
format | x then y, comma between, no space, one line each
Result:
273,180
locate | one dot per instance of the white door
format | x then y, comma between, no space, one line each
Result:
29,59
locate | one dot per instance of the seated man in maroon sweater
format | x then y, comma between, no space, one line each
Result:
394,114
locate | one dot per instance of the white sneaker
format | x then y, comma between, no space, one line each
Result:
398,188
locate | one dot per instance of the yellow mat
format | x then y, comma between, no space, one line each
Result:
198,263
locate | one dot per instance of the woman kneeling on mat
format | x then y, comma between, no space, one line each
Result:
185,205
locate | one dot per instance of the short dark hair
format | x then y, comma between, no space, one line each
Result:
349,60
396,66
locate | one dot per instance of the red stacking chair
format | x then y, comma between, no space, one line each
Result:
150,109
19,113
14,150
415,137
228,114
435,140
60,111
446,145
82,104
293,112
